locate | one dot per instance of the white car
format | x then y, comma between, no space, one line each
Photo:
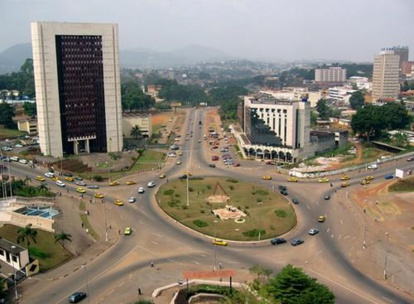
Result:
132,199
141,190
60,183
23,161
49,174
80,183
171,154
151,184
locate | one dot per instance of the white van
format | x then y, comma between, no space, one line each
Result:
14,158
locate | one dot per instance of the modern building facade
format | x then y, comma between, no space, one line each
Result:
402,51
143,121
333,74
385,78
77,82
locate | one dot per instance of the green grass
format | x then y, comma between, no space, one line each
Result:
7,133
403,185
258,202
148,160
49,253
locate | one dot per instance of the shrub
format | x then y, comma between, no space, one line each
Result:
262,192
209,187
281,213
259,200
200,223
168,192
231,187
190,189
98,178
232,180
177,195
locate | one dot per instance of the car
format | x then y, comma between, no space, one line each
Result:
184,176
345,177
18,145
141,190
78,178
130,182
323,180
215,158
77,297
178,162
151,184
411,158
40,178
67,174
132,199
60,183
280,187
69,179
180,153
162,175
212,165
49,174
55,178
23,161
99,195
295,201
188,173
127,231
345,184
219,242
327,197
389,176
114,183
171,154
199,141
365,182
80,190
174,147
296,242
369,178
372,166
236,165
93,186
284,192
277,241
293,179
118,202
321,218
266,177
313,231
80,183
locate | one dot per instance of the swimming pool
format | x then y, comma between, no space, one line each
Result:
46,212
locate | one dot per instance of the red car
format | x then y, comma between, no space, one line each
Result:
236,165
214,158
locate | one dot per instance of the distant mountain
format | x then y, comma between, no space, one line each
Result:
12,58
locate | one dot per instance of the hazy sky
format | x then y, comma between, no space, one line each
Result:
257,29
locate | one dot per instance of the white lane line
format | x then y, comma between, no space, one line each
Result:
317,203
332,235
319,252
342,222
340,236
347,237
110,292
122,283
388,300
327,230
195,262
155,243
308,207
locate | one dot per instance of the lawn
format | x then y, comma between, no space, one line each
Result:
49,253
149,159
9,133
267,212
403,185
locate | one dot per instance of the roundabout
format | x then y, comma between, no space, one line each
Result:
227,208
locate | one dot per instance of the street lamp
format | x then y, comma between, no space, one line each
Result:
386,256
16,296
86,279
214,245
106,225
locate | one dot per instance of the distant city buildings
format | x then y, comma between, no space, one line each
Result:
77,82
335,75
385,79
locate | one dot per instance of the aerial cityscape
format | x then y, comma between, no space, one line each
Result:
187,166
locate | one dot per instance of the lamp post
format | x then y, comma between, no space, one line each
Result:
386,256
106,225
16,295
86,280
214,245
365,234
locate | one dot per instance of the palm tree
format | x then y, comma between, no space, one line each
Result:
26,234
136,132
62,237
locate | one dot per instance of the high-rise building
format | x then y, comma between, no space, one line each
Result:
77,82
401,51
385,81
333,74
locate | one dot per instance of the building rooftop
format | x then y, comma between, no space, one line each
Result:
11,247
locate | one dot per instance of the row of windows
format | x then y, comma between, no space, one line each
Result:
271,110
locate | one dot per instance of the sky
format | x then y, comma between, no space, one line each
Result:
289,30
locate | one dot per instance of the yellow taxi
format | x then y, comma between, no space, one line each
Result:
114,183
345,184
365,182
219,242
321,218
80,190
69,179
323,180
55,178
99,195
293,179
188,173
118,202
369,178
40,178
162,175
267,177
130,182
345,177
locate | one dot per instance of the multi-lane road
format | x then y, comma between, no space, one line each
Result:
115,274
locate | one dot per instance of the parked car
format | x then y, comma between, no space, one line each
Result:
277,241
323,180
212,165
411,158
114,183
40,178
296,242
23,161
77,297
80,183
293,179
67,174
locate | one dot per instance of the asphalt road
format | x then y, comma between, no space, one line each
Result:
113,277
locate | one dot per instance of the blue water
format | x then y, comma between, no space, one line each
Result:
46,212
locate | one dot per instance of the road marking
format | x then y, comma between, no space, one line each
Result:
155,243
342,222
122,283
332,235
327,230
347,237
308,207
343,278
317,203
319,252
196,262
388,300
339,237
111,291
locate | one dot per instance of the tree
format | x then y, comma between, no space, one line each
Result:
368,122
29,109
323,109
6,115
62,237
395,115
291,286
135,132
26,234
261,272
400,139
357,100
